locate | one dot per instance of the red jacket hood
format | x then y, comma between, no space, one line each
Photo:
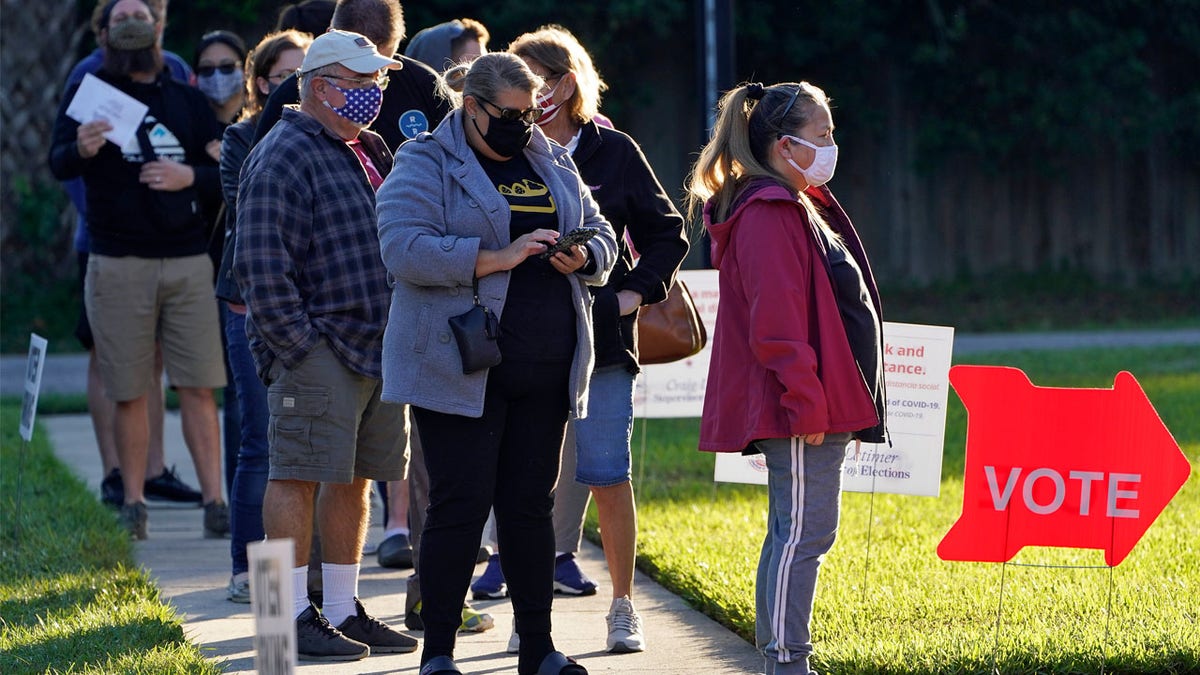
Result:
760,189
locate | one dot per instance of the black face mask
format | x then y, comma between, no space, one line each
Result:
505,137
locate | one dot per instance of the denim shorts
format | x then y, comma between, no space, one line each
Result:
602,438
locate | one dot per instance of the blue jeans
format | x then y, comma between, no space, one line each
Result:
231,410
804,485
602,438
250,476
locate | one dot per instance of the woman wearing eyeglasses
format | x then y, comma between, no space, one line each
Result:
797,369
276,57
476,202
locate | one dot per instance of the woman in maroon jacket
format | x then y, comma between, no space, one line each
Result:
797,367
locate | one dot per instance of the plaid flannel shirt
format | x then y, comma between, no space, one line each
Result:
307,257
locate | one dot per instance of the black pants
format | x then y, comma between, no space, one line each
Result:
509,459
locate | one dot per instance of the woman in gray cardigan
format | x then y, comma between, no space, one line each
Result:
481,198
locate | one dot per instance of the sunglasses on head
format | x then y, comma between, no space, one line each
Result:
791,102
225,68
528,115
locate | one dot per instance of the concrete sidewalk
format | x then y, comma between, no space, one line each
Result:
192,573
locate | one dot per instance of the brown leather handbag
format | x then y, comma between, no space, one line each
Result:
670,330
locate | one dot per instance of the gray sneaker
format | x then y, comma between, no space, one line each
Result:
133,518
624,627
318,640
381,638
216,520
514,643
238,589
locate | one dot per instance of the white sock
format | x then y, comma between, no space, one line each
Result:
299,591
340,586
393,531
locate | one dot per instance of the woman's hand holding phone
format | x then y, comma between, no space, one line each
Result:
531,243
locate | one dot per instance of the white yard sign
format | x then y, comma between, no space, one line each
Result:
917,366
271,563
677,389
33,384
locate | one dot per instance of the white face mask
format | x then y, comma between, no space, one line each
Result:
823,165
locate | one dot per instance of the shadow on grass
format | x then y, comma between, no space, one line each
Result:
91,647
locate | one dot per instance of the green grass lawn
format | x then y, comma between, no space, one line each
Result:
70,599
71,602
894,606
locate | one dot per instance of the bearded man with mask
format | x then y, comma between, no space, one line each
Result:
148,276
316,293
161,483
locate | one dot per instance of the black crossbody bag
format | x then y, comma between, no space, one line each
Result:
476,332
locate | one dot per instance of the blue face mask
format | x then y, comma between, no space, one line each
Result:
362,105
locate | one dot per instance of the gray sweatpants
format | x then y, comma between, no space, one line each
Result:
804,485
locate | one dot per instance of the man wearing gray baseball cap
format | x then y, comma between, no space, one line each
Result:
307,263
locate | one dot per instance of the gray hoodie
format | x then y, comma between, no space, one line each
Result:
435,213
431,46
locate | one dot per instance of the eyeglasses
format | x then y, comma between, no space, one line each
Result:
528,115
552,77
281,76
362,82
791,102
225,68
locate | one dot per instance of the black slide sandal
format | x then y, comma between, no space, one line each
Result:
440,665
557,663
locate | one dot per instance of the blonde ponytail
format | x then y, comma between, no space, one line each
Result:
745,127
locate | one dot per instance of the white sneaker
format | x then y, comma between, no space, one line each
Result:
624,627
514,643
238,589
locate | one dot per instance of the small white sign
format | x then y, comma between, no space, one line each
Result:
916,373
676,389
33,384
271,564
98,100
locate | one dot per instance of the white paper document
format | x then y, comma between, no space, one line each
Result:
98,100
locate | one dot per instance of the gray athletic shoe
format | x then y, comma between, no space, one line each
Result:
381,638
133,518
216,520
624,627
238,589
318,640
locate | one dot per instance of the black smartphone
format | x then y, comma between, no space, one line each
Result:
572,238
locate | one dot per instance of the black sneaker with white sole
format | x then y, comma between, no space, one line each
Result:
318,640
380,637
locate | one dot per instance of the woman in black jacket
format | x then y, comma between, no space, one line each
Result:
633,201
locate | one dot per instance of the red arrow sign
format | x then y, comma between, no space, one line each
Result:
1046,466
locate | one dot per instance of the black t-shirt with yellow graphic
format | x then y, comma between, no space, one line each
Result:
538,323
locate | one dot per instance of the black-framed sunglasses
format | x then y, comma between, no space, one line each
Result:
225,68
791,102
528,115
